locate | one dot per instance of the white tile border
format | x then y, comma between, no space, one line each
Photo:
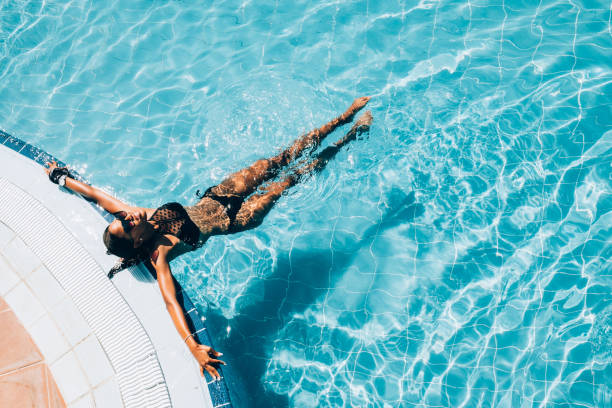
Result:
69,377
107,394
92,358
84,283
6,235
27,308
45,287
70,321
8,278
64,312
49,339
86,401
21,258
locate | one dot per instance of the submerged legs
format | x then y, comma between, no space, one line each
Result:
253,210
244,182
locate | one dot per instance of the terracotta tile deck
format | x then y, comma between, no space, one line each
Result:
25,379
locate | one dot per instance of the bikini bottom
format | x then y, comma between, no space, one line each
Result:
231,204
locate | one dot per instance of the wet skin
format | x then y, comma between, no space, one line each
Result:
133,222
134,227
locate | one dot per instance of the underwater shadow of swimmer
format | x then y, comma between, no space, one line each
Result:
299,278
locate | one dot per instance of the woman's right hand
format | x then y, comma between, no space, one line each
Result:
205,357
52,165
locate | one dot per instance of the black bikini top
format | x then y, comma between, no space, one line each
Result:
173,219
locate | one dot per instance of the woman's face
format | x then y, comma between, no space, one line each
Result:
133,226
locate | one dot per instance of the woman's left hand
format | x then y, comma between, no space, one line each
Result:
52,165
204,355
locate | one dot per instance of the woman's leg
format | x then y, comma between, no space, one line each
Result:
322,158
244,182
253,210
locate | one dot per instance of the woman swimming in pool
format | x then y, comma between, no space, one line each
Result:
239,203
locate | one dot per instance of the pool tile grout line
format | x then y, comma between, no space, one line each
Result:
14,370
218,390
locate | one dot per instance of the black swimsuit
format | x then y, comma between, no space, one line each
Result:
231,203
173,219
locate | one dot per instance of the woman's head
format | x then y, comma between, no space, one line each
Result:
117,245
126,235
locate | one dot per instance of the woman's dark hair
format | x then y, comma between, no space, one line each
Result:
122,247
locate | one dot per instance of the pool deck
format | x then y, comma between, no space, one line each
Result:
25,379
106,343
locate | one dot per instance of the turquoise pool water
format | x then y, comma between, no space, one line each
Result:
457,256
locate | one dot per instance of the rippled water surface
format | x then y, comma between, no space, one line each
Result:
459,255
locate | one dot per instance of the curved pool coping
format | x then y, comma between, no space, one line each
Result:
135,296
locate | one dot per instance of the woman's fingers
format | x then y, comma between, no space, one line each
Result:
50,167
209,361
132,216
214,352
211,370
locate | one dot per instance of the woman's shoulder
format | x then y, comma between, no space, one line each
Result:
162,247
165,242
166,248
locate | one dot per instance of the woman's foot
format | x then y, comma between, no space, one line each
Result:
362,125
359,103
364,122
355,107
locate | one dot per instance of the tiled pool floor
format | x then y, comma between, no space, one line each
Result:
25,378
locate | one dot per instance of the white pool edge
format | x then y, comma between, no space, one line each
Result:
150,363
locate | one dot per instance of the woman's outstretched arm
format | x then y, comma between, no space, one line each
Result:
205,355
106,201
